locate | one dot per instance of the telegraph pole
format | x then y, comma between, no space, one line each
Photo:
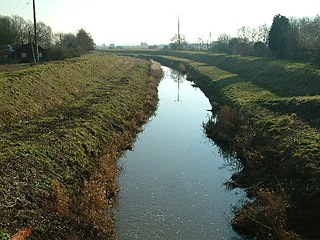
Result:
179,31
209,42
35,33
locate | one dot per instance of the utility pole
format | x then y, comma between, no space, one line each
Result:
209,42
179,40
35,33
179,36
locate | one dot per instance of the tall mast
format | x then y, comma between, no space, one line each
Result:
35,33
179,40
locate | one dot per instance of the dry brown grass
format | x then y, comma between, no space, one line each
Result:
58,199
266,217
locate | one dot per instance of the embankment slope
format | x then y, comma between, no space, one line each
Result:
63,126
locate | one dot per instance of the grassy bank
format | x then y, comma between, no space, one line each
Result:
63,125
272,122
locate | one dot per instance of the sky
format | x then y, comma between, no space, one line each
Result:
130,22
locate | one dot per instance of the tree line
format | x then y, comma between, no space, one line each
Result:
15,30
295,38
290,38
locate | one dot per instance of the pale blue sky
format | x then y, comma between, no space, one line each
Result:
155,22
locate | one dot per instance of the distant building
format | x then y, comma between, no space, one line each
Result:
23,52
6,53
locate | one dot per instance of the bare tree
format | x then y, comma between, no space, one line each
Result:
263,33
21,29
222,44
201,43
244,34
16,30
249,34
45,35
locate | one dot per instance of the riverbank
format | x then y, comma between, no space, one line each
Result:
272,123
63,126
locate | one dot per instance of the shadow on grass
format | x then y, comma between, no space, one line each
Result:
306,108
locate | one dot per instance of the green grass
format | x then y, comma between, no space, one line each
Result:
62,125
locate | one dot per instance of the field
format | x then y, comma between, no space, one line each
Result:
63,126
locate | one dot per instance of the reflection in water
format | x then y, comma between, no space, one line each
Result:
178,78
172,182
178,97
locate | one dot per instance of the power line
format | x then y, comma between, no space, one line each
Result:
60,4
22,8
17,6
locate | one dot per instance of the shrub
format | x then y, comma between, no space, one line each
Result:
266,217
61,52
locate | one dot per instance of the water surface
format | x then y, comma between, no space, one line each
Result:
172,180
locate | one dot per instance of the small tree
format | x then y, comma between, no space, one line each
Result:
279,34
239,46
22,30
45,35
69,40
178,42
71,45
7,36
222,44
201,43
66,46
85,41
